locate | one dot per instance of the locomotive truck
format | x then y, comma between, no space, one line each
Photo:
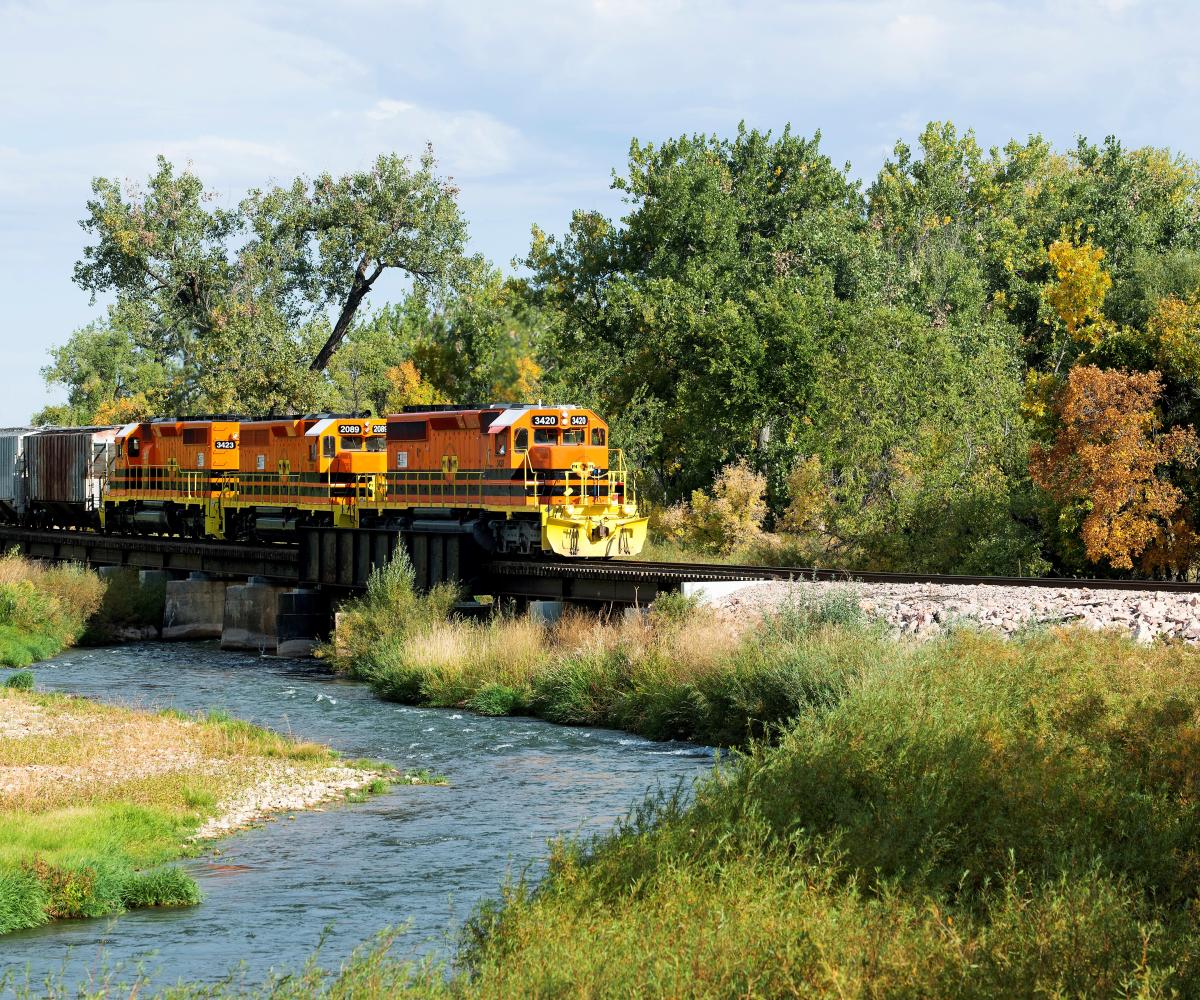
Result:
516,478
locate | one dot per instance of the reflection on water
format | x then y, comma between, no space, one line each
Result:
420,856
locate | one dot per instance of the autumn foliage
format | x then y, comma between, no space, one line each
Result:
1108,460
1080,284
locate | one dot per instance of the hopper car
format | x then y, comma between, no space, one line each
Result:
515,478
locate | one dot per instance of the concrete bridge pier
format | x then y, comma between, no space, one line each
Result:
251,613
195,608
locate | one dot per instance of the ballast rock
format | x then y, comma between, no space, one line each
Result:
925,610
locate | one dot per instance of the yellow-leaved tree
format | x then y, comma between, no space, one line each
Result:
1078,287
407,387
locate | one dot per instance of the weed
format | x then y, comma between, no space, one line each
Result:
22,680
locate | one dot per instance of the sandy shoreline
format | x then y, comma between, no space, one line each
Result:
59,751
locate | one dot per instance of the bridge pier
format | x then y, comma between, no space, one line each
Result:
251,615
195,608
302,620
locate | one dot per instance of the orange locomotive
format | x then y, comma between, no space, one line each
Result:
517,478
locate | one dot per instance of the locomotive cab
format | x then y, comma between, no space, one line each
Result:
580,485
348,449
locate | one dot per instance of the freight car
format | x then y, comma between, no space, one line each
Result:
65,471
13,484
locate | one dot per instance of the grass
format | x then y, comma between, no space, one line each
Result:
96,799
43,609
675,672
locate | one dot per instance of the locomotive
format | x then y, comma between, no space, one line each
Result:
516,478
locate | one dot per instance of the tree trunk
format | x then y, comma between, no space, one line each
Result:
358,292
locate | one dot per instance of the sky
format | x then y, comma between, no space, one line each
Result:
529,105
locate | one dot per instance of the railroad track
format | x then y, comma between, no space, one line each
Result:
669,573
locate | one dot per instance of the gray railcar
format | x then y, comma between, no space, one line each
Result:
67,470
13,498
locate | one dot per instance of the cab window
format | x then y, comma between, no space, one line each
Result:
521,439
353,443
376,444
545,435
572,437
329,447
598,436
134,447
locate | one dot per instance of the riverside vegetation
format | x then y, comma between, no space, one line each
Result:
43,609
966,817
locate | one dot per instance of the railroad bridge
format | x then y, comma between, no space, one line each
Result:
291,587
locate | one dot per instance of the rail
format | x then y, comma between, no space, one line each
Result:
632,569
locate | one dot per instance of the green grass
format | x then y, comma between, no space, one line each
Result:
22,680
89,861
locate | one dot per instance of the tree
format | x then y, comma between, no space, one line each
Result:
328,241
226,309
1108,465
668,306
1077,289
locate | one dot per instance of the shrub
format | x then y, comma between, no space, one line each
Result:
499,699
721,522
22,680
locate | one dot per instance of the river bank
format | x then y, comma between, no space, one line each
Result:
676,672
43,609
95,799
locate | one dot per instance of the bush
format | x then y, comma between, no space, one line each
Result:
721,522
22,680
371,625
43,609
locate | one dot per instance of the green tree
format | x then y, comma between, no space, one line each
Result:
326,242
226,309
663,305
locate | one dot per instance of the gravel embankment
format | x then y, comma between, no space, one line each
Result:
924,610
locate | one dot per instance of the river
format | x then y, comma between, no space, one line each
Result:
418,856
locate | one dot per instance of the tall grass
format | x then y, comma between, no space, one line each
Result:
43,609
676,672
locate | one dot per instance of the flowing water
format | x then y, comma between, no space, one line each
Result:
420,856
